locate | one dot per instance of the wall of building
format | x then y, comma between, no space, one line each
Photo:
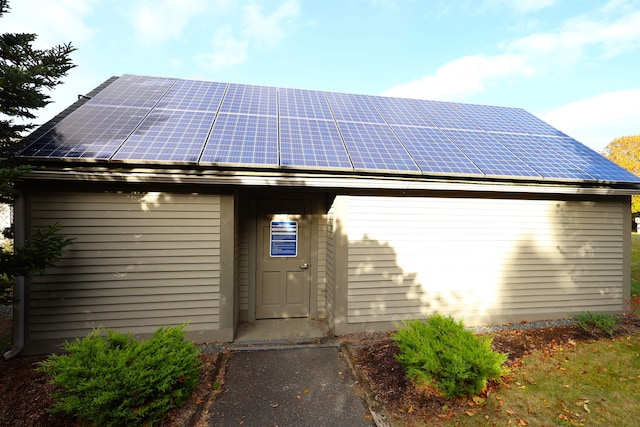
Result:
484,260
139,261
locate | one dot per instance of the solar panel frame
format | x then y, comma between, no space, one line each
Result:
528,122
401,111
545,158
193,95
301,103
602,169
308,143
133,91
250,99
374,147
242,140
348,107
90,132
445,115
489,155
168,136
489,119
434,152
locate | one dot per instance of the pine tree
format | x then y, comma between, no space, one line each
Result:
26,74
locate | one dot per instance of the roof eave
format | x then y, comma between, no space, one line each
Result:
322,181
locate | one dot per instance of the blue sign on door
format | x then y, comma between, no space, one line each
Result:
284,239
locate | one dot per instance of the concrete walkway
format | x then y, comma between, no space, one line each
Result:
309,386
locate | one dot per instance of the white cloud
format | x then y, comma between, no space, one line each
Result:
268,29
462,77
227,50
258,29
522,6
55,23
598,120
158,21
539,53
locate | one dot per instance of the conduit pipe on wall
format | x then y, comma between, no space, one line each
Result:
18,288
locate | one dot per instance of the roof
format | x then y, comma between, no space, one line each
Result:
211,125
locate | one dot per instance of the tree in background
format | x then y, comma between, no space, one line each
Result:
625,152
25,74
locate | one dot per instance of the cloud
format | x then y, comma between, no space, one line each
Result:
522,6
158,21
467,75
55,23
268,29
544,52
227,50
257,29
597,120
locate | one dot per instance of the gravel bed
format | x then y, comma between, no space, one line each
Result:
486,329
6,310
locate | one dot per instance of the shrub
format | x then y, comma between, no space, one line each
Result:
111,379
603,321
442,353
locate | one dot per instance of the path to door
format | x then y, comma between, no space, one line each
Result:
292,387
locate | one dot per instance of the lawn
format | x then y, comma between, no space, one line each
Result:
635,264
585,384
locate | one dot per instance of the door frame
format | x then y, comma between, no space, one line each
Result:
252,206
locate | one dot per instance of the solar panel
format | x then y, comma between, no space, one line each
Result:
489,155
91,132
241,139
375,147
528,122
353,108
304,104
399,111
446,115
489,118
193,95
168,135
434,152
133,91
312,143
590,161
248,99
545,157
152,119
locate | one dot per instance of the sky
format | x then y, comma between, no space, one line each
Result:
573,63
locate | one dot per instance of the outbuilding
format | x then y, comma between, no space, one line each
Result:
214,204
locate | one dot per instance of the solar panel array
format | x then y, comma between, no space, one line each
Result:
139,119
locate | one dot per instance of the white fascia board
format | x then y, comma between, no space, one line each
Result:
359,182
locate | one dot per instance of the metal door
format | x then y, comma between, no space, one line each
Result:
283,272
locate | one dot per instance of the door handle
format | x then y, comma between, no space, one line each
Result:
304,266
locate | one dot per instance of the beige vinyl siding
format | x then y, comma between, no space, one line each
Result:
485,260
322,268
139,261
330,269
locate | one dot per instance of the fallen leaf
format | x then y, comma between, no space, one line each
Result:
469,413
479,400
586,408
522,423
275,405
306,390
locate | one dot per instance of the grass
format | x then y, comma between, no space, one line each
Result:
635,264
566,388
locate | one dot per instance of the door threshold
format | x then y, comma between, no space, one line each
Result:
282,331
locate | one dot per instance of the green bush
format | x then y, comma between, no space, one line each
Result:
111,379
603,321
442,353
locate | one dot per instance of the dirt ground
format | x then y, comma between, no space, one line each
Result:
27,395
